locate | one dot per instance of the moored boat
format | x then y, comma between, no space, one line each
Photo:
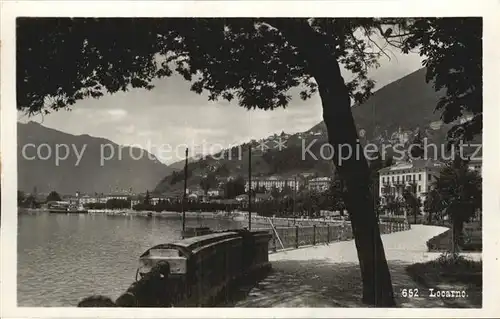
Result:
63,207
58,207
77,209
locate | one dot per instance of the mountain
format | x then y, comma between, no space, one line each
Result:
395,114
401,107
90,174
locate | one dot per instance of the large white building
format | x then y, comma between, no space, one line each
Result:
117,197
418,174
274,182
87,199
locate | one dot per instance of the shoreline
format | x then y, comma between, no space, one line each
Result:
258,221
237,216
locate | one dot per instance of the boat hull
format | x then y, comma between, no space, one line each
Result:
57,211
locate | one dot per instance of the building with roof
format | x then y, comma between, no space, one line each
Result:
476,165
217,192
87,199
319,184
273,182
197,195
117,196
416,175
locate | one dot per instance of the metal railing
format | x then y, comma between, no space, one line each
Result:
299,236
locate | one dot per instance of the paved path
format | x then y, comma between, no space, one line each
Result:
328,275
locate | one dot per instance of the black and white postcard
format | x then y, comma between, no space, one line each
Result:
302,159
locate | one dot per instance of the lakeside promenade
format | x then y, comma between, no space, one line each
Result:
328,275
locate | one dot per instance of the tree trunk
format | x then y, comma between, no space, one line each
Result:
457,234
354,170
377,286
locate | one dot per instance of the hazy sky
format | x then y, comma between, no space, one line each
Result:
171,115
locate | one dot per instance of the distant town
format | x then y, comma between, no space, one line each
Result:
305,194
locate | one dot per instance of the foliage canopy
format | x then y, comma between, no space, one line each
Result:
253,60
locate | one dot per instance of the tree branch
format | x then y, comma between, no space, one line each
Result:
309,43
376,44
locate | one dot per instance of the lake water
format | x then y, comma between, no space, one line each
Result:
64,258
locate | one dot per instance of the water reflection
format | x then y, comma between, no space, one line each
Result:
62,258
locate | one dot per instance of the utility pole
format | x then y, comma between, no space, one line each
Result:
249,186
375,183
184,195
295,186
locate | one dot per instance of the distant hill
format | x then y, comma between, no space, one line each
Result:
402,106
89,175
394,114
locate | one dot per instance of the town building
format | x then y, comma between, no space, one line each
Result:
255,198
155,200
476,165
99,198
117,196
268,183
319,184
135,200
212,193
197,195
416,175
87,199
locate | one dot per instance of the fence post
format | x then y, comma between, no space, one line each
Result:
314,235
327,234
296,236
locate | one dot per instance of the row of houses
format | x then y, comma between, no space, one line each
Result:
294,184
134,199
267,183
192,194
393,180
418,174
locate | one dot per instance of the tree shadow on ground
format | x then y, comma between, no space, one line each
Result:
320,283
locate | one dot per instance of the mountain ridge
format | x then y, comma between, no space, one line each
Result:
367,120
98,170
